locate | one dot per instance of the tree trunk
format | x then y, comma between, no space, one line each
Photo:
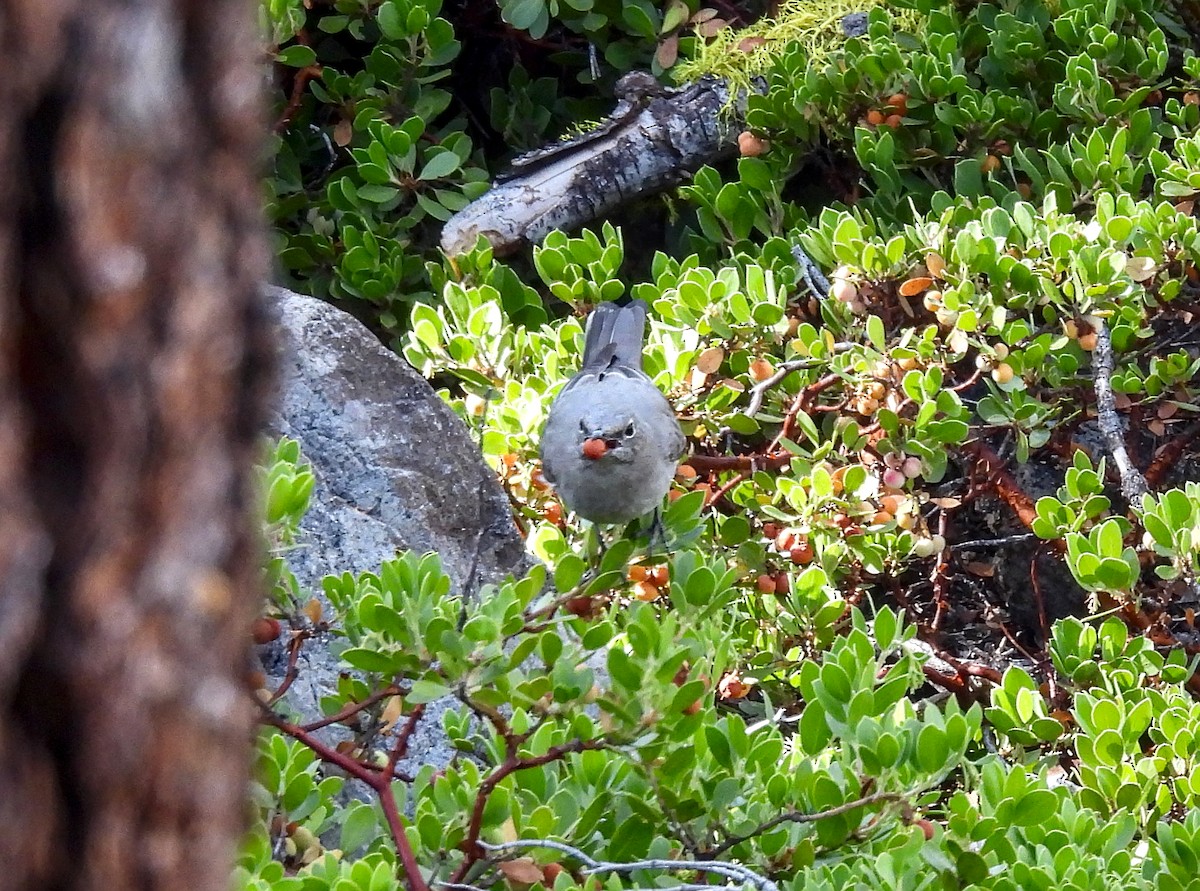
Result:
133,372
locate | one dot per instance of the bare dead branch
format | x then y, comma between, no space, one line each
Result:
734,872
653,140
1133,484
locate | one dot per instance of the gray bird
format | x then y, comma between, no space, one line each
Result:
611,442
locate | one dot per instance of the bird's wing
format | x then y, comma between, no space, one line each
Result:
615,335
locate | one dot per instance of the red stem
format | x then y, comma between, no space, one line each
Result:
511,765
380,782
354,708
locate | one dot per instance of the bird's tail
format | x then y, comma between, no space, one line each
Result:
614,336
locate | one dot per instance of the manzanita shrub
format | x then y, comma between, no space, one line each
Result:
793,693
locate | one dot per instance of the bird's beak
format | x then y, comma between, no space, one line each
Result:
594,448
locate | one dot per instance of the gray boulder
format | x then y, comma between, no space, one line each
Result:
396,470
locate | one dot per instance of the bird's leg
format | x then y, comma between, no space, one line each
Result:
657,532
603,548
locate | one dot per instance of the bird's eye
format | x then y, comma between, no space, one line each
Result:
629,429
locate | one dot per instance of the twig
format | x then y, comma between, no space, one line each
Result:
471,844
352,708
380,783
1170,454
1043,621
799,817
1133,484
302,77
293,670
990,467
717,494
980,543
811,273
740,463
759,391
724,868
801,403
941,575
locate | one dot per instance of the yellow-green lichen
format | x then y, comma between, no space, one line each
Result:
815,26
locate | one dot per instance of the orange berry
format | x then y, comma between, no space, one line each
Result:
770,530
801,554
875,117
765,584
990,164
645,592
894,121
685,472
751,146
1191,97
553,513
264,629
782,583
761,369
898,101
660,576
637,573
1088,341
891,503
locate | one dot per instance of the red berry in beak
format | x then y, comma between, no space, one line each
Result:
594,448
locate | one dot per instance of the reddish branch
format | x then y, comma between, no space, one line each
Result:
512,763
289,676
742,463
353,708
774,459
989,468
1169,455
303,76
958,683
1043,621
941,575
803,402
380,782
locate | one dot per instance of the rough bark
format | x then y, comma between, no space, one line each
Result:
132,384
654,140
